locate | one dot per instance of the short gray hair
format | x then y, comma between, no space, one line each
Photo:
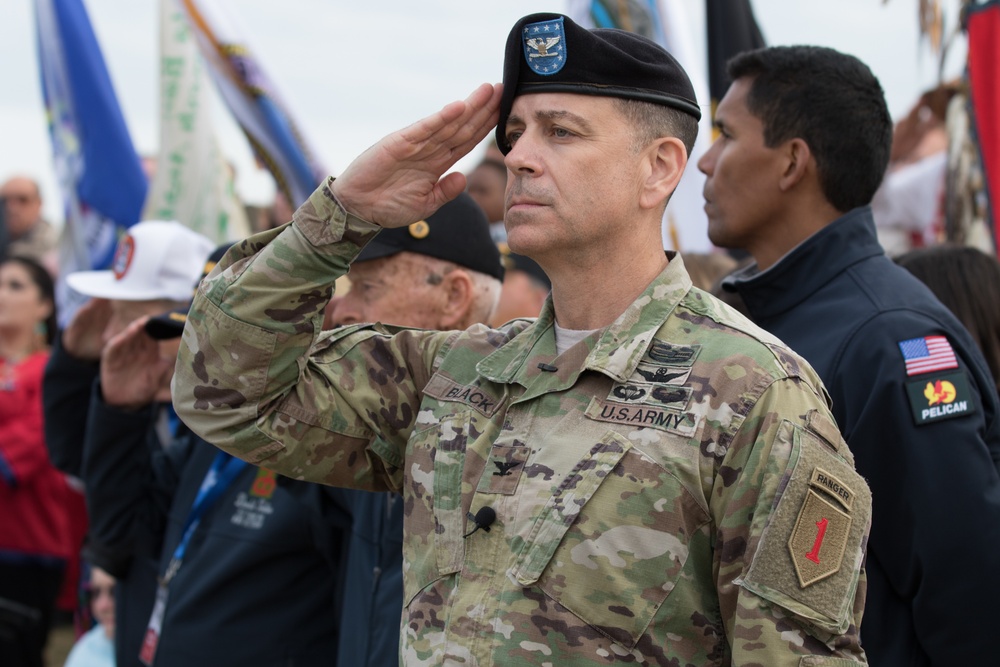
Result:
651,121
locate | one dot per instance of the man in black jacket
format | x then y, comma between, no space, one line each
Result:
217,562
804,142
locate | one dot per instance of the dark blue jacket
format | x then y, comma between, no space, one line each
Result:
933,580
260,583
373,593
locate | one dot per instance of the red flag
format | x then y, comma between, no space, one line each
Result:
983,29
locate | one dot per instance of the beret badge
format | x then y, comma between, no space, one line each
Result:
545,46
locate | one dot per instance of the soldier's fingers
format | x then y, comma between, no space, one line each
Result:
443,125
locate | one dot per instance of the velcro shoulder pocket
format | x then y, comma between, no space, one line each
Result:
810,552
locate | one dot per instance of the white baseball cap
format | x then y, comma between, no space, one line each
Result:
156,259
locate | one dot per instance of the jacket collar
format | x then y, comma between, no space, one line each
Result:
615,351
808,267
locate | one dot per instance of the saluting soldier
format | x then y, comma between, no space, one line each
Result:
638,476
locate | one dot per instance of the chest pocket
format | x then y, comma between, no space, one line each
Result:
433,515
611,543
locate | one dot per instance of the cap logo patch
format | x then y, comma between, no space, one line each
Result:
123,256
419,229
545,46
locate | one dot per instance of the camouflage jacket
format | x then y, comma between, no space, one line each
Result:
671,490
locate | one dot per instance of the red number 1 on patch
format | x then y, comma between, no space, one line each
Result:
820,532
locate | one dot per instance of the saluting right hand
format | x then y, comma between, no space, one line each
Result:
399,180
133,372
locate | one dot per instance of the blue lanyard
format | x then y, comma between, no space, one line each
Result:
220,476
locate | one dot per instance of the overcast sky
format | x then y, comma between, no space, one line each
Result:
354,71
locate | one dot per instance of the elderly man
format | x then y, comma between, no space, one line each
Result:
25,232
805,139
186,529
638,476
442,273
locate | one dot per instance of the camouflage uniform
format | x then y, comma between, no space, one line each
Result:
655,486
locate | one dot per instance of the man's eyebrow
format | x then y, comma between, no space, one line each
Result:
552,115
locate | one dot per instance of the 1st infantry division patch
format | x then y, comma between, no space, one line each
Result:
821,533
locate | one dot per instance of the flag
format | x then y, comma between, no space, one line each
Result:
253,100
193,183
99,173
983,69
927,354
685,225
731,28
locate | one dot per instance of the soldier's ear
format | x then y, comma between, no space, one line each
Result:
664,162
459,292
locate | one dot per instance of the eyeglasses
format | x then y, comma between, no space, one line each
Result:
18,199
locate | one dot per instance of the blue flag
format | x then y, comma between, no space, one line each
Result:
101,179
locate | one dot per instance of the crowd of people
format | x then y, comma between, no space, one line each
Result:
525,434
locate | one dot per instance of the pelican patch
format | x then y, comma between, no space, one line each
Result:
545,46
938,397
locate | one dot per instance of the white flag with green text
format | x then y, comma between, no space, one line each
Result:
193,183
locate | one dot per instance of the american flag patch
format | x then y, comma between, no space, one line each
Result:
928,354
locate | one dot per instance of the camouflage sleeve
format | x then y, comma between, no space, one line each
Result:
256,377
792,520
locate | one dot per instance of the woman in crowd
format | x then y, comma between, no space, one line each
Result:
34,524
96,647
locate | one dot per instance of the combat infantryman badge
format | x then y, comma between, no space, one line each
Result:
545,46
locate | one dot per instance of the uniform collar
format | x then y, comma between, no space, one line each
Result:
809,266
615,351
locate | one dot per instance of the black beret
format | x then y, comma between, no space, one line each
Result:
171,323
549,53
458,232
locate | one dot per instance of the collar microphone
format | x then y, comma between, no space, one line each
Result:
484,518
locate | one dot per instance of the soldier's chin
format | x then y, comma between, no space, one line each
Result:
522,238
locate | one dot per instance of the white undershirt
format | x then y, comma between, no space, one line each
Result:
567,338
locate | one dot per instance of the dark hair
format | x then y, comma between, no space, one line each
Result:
830,100
967,281
43,281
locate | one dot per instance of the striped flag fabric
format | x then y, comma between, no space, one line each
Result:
685,225
253,99
99,173
927,355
